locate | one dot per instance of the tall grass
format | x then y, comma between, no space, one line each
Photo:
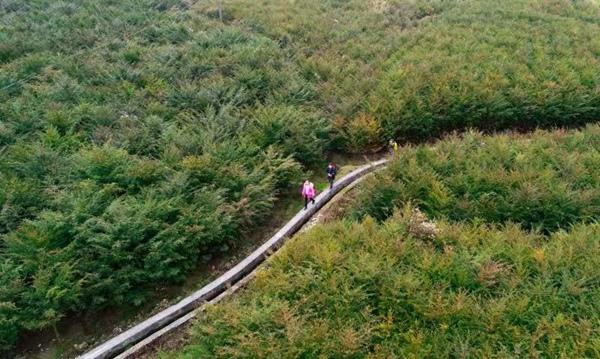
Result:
545,180
362,289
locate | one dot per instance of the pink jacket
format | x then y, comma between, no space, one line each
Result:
308,190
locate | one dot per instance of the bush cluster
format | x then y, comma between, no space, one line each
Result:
543,181
362,289
494,65
341,47
424,68
145,136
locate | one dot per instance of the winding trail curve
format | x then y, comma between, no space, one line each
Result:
184,310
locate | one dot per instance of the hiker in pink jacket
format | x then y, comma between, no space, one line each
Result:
308,192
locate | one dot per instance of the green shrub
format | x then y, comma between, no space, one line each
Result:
380,290
546,181
341,47
296,132
20,200
125,224
360,133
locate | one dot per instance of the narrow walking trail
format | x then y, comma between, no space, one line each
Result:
184,310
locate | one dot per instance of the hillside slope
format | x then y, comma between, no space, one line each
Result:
410,286
417,69
137,136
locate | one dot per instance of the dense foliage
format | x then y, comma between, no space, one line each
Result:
469,280
135,135
342,47
417,69
546,180
144,135
356,290
494,65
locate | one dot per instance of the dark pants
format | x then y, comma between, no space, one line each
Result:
330,178
306,200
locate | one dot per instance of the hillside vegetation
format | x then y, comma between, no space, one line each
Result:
494,65
360,289
138,135
148,136
417,287
417,69
544,181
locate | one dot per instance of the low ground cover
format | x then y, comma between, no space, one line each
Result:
418,69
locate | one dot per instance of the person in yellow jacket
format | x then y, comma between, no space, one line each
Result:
393,147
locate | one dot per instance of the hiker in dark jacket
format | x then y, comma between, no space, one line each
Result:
331,172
